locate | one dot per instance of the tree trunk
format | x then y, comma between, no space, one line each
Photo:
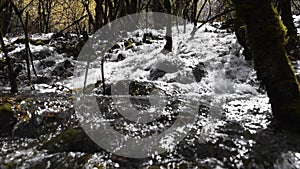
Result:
241,36
287,19
99,13
27,46
195,2
12,75
266,35
169,42
6,19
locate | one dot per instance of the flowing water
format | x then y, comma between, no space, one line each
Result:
233,125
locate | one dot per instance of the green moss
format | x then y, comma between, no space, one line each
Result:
84,159
10,165
128,44
98,166
6,106
37,42
2,60
31,41
98,83
71,140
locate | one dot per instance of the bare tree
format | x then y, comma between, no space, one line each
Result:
24,24
12,75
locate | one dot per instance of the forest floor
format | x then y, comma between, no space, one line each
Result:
207,75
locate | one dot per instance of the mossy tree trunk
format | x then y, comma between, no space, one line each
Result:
266,35
287,19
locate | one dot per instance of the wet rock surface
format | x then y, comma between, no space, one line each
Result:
199,71
63,69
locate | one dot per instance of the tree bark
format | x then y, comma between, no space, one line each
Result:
241,36
12,75
266,35
169,42
287,19
99,13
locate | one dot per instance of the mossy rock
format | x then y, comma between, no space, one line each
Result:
7,119
35,42
128,44
71,140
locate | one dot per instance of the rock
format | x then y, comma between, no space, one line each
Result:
128,44
120,57
7,119
148,37
99,88
68,44
42,54
199,71
46,63
156,73
31,41
20,55
63,69
27,129
116,46
71,140
135,87
141,88
44,123
228,24
41,80
49,63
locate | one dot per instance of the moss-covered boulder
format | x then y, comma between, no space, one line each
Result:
7,119
128,44
71,140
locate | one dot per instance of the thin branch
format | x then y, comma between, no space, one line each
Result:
74,23
201,9
22,10
216,16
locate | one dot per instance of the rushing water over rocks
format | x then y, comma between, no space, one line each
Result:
233,127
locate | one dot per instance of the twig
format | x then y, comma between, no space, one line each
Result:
74,23
216,16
